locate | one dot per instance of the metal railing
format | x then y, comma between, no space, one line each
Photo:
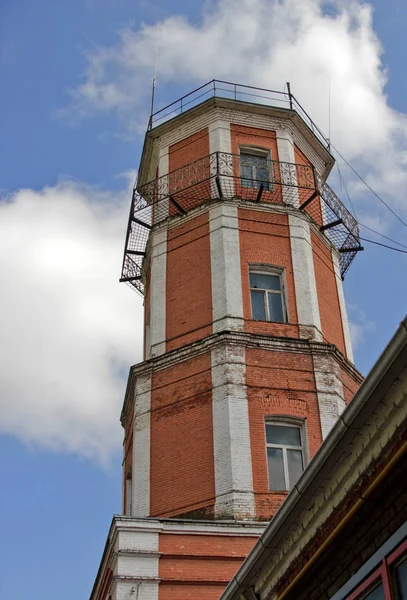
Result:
218,88
218,177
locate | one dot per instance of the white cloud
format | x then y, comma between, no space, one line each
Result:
360,326
69,329
266,43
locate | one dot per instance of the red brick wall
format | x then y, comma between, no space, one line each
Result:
198,567
189,150
182,459
280,384
264,238
189,287
314,208
260,138
328,301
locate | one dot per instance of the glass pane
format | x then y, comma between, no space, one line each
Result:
265,281
254,160
246,174
401,578
262,174
276,469
262,177
295,466
281,434
376,594
258,309
276,308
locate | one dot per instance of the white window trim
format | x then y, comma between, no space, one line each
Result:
264,152
284,421
261,269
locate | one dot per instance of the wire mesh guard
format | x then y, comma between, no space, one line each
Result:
222,176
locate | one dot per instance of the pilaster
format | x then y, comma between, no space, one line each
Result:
331,400
141,446
158,284
233,467
227,300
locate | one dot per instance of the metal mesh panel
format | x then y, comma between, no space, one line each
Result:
218,177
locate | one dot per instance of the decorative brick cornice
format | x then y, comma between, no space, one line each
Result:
237,338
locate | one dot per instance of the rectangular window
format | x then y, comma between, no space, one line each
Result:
267,296
285,455
388,581
255,169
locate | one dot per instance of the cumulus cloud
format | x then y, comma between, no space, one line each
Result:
314,44
360,326
69,330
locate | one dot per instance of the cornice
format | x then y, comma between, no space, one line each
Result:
233,338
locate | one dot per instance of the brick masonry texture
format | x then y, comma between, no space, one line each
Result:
182,461
328,300
197,567
278,384
383,514
189,287
264,239
186,151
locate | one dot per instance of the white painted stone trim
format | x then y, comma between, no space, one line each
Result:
141,447
219,136
342,304
227,298
331,398
136,565
129,495
163,169
220,141
158,285
133,551
306,296
231,434
285,147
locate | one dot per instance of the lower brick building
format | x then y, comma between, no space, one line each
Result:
342,532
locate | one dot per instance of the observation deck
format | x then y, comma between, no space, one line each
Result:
222,176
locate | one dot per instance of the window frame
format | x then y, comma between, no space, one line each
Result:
384,574
270,270
285,421
259,152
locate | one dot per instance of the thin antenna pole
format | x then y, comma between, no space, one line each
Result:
154,81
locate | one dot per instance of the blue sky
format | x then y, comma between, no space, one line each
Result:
75,79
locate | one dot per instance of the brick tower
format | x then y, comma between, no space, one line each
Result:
239,247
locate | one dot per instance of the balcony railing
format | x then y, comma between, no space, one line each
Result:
218,177
236,91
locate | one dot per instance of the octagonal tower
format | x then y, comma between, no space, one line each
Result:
239,247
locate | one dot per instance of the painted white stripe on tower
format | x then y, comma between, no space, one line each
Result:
227,300
220,141
141,447
162,207
331,400
342,304
304,274
137,564
231,435
158,284
285,147
219,136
